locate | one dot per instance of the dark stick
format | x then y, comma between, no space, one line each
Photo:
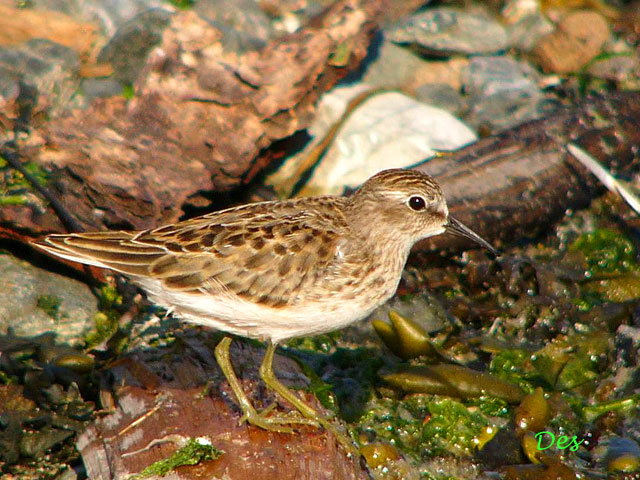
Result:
8,152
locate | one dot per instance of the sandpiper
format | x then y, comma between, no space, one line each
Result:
277,270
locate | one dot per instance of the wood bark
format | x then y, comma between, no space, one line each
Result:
514,185
202,120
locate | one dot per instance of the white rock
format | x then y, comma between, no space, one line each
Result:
389,130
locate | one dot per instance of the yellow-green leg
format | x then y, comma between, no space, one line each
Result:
259,419
268,376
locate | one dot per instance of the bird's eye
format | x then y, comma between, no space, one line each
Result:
417,203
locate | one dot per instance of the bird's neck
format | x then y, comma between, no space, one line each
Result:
376,236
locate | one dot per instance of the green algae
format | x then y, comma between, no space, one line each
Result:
106,320
606,252
14,179
424,426
128,92
590,412
397,421
612,271
196,451
50,304
322,390
451,427
7,200
515,366
563,364
14,187
490,406
324,343
182,4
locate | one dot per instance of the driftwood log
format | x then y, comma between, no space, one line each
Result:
515,184
205,120
508,186
202,120
162,396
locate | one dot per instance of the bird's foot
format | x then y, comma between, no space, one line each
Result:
274,423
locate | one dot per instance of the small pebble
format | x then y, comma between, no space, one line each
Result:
446,31
580,36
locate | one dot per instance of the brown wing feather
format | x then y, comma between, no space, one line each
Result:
112,250
264,252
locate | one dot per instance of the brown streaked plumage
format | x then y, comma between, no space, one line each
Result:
277,270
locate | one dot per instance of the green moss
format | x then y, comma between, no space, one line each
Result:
321,389
490,406
182,4
106,320
398,422
591,412
109,297
341,55
515,366
6,200
128,92
451,428
320,343
606,252
6,379
13,184
106,326
50,304
197,450
37,172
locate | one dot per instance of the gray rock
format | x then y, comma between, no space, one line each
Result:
616,68
244,25
388,130
502,93
9,81
442,96
100,88
425,310
621,452
108,14
22,284
391,65
445,31
50,68
490,75
128,49
48,50
525,33
35,444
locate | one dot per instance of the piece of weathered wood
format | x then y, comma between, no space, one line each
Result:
161,397
515,184
200,121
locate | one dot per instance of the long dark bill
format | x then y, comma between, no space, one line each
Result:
457,228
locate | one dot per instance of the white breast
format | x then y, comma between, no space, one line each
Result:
247,319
